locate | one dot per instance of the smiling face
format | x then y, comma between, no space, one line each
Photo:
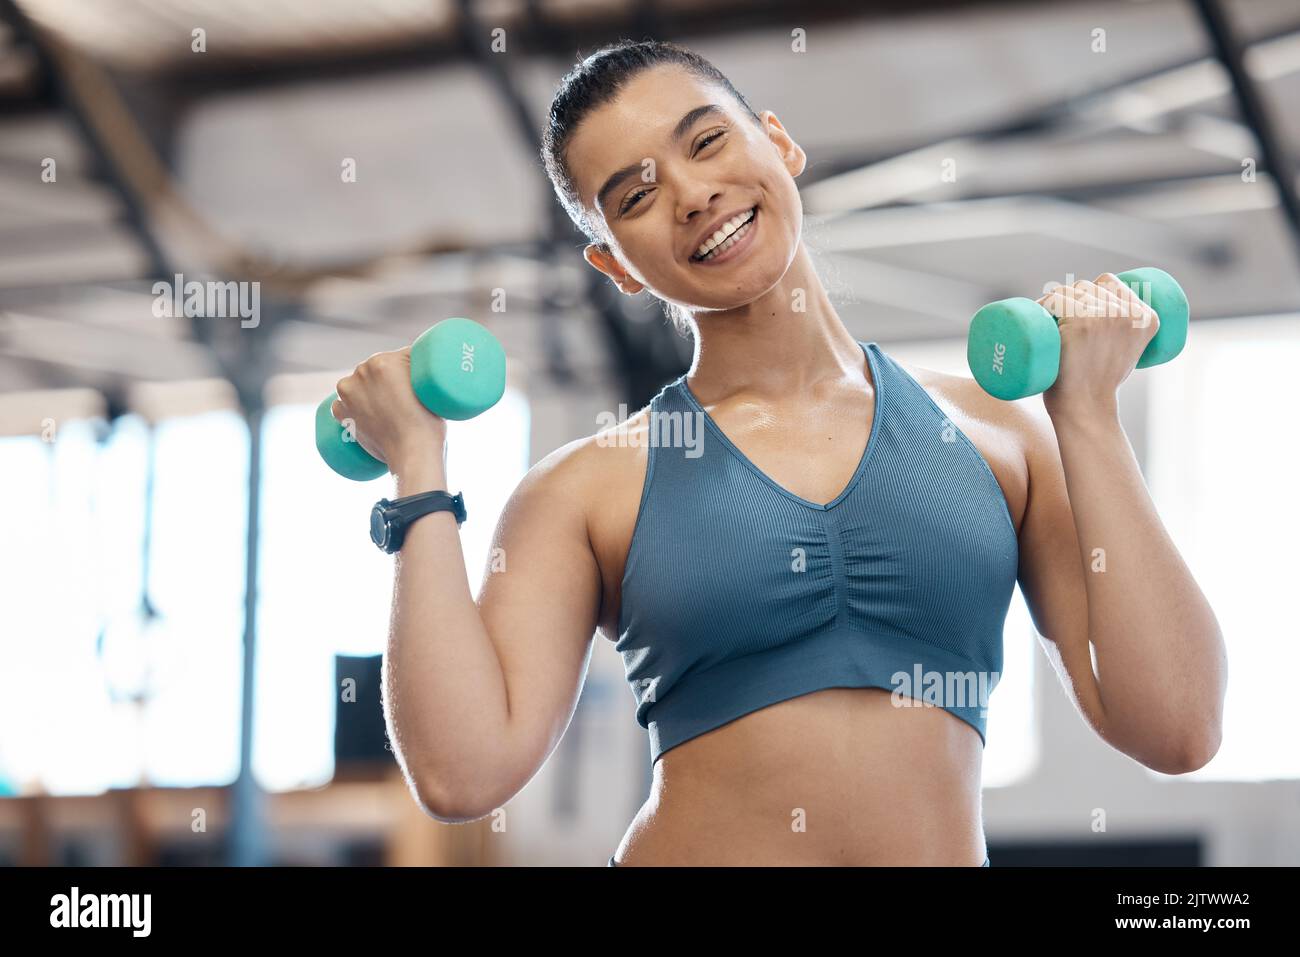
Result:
673,163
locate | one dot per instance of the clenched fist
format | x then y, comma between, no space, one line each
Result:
377,404
1104,328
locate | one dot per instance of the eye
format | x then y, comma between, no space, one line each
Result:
632,201
709,139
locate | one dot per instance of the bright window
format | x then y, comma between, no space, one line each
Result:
327,590
101,694
80,652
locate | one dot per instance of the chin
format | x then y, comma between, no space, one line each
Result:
746,286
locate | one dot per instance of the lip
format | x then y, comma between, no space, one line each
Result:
737,248
725,218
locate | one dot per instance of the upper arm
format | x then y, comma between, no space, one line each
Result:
539,603
1051,567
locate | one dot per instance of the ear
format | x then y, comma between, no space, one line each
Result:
792,154
602,259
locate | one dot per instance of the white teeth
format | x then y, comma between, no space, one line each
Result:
729,229
726,244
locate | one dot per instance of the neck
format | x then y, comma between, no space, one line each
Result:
785,343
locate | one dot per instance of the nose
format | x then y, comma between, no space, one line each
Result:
694,201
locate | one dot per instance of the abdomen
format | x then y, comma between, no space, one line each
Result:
841,776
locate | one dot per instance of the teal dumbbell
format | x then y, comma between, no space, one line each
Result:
1014,347
458,371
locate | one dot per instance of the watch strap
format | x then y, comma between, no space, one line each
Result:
398,514
423,503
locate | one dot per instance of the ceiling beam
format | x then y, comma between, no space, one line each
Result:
1231,53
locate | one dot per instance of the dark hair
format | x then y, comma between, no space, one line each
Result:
595,80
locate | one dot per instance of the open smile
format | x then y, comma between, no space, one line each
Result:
731,247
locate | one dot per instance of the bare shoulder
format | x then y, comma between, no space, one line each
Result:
585,467
608,454
598,474
614,461
1024,420
605,474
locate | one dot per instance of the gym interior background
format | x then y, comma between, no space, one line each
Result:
365,168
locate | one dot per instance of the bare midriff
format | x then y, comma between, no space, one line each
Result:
842,776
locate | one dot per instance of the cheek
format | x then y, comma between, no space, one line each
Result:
644,253
787,198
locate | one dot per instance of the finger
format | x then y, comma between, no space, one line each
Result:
1054,302
1124,302
1090,306
1133,307
383,362
1067,302
1061,289
1112,283
1052,289
1074,302
343,389
337,410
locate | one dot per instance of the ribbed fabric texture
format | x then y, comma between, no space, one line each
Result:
738,594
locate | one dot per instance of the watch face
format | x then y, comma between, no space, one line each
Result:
378,527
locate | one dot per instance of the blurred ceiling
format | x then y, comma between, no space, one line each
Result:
228,161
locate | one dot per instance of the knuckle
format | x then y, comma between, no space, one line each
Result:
380,363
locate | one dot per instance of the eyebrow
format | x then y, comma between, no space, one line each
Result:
681,129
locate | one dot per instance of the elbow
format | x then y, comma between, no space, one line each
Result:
446,805
1201,750
432,800
453,803
1192,753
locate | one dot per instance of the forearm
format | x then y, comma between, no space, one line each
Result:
1160,660
445,692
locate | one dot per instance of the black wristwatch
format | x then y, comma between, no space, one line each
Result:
389,520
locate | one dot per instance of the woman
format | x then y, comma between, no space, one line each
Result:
792,540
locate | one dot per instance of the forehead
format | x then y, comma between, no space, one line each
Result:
635,124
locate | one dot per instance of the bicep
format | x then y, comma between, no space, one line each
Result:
539,602
1052,569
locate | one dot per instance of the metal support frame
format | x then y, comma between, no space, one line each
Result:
1062,115
1231,53
636,364
247,373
